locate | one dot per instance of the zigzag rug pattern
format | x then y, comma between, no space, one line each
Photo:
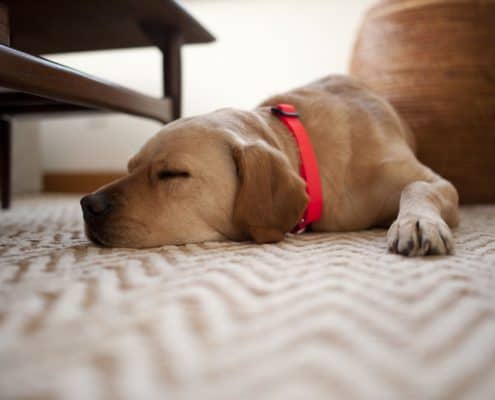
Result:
316,316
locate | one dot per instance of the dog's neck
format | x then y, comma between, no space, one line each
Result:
261,124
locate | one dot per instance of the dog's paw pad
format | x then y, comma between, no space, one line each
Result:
420,236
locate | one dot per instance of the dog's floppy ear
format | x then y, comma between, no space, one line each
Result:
133,162
271,197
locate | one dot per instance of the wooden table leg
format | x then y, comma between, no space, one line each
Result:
169,41
172,71
5,134
5,161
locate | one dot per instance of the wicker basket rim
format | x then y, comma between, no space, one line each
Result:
382,10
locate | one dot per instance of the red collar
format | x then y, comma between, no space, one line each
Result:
309,166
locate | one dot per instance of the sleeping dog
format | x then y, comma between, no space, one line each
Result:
235,175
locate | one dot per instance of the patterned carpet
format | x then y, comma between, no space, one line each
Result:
317,316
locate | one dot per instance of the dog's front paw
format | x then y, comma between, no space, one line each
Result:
420,236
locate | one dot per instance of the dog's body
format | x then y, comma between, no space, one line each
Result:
234,175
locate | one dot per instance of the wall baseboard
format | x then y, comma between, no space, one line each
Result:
77,182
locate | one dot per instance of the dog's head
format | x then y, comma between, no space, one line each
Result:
195,181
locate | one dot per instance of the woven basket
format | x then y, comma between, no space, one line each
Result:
434,60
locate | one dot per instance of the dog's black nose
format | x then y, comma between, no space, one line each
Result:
96,205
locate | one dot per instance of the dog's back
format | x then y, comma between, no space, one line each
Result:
338,97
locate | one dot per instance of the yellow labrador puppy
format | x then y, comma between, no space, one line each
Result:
234,175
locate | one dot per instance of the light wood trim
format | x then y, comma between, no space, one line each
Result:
21,71
77,182
4,25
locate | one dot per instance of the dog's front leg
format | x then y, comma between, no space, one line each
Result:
427,209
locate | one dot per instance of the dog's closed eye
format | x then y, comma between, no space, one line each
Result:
170,174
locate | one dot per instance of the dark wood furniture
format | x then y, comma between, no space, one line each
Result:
32,84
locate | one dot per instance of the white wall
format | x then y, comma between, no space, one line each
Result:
26,168
263,46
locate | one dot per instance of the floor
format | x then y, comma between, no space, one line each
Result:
316,316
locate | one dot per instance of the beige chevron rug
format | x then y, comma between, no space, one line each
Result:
318,316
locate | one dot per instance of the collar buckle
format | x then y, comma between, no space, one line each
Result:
281,112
